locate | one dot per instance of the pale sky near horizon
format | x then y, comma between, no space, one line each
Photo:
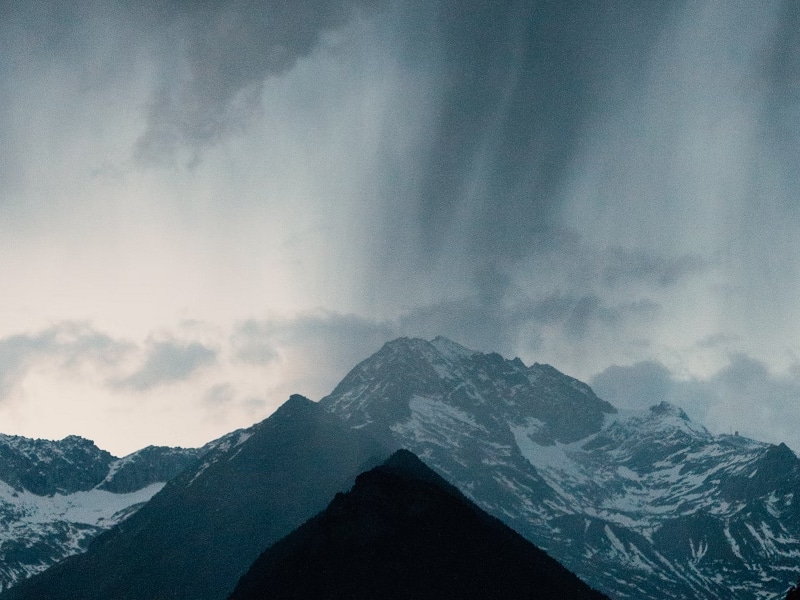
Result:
206,207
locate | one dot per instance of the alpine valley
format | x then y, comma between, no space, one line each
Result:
638,504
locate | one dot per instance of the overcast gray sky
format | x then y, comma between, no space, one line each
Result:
207,206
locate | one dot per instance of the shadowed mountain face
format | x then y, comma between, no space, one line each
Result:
637,503
206,527
793,593
403,532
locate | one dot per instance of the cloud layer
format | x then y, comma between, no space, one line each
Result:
743,396
168,361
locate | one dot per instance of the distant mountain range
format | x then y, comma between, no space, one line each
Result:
56,496
638,504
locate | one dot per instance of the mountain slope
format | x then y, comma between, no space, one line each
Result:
55,496
638,504
403,532
197,536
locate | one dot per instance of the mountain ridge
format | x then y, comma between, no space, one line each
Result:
637,503
56,495
201,532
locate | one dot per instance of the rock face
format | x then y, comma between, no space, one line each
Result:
55,496
638,503
196,538
392,386
147,466
403,532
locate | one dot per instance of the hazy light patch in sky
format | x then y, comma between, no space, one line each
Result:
270,219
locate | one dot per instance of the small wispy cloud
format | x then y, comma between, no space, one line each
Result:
167,362
624,266
71,344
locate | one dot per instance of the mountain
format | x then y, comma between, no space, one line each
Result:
403,532
55,496
637,503
201,532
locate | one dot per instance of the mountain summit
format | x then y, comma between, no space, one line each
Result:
637,503
413,378
403,532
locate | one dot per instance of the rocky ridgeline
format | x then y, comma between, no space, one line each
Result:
637,503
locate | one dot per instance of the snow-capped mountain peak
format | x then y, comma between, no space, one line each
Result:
407,374
639,503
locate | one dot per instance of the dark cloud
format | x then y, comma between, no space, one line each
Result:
221,394
518,87
637,386
252,344
757,400
78,342
221,55
742,373
349,337
645,384
742,396
716,340
781,60
167,362
518,82
624,267
509,326
576,314
479,325
315,349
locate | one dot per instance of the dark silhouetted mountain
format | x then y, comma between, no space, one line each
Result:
637,503
55,496
197,536
793,593
403,532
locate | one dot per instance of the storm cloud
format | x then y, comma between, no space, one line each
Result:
609,187
221,54
743,396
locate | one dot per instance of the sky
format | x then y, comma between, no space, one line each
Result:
208,206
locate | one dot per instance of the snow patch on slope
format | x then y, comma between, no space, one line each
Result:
98,508
434,421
